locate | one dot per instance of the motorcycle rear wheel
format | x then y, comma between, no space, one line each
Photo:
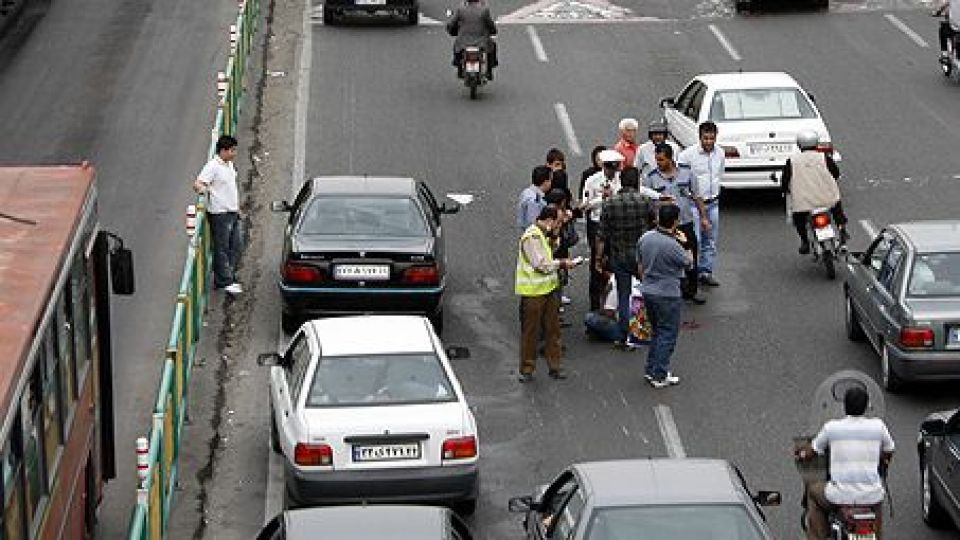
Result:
473,90
829,264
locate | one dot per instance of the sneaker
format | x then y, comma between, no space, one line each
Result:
233,288
708,280
658,383
565,300
558,374
670,379
525,377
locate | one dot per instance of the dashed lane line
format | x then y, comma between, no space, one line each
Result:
869,227
567,126
537,44
668,428
902,26
725,43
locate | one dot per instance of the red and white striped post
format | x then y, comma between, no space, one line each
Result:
222,83
191,220
143,469
233,39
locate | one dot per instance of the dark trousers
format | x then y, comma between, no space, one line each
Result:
623,270
597,285
689,283
226,247
946,32
800,220
540,316
664,314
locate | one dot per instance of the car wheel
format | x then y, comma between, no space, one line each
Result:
329,16
854,330
274,434
891,381
933,513
437,321
413,16
290,322
465,508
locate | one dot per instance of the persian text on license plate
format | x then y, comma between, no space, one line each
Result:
386,452
757,149
362,272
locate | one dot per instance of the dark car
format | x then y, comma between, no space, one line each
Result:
903,296
646,498
939,448
373,522
357,245
334,10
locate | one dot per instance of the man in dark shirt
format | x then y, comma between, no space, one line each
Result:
623,220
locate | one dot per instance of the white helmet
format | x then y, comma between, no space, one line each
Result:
808,139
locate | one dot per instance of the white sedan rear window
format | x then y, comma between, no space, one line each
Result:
393,379
935,274
760,104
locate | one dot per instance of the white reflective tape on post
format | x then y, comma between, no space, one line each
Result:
191,219
142,496
143,459
233,38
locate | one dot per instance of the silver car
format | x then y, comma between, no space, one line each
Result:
903,295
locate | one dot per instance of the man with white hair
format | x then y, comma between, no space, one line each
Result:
627,143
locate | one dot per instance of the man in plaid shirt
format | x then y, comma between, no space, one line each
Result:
623,220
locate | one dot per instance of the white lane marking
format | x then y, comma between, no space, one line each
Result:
428,21
303,97
668,428
537,44
567,126
725,42
869,227
902,26
625,431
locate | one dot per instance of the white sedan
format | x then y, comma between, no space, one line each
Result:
758,116
368,409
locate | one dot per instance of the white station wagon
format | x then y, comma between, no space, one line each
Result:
368,409
758,116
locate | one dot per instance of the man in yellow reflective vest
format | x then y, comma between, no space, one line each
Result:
536,283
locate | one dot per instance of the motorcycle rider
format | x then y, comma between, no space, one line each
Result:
472,24
859,448
810,178
950,27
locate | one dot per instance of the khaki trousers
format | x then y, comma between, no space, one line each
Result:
539,315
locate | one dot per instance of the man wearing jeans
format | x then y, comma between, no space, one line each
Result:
218,180
662,262
706,161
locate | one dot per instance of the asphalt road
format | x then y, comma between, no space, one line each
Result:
382,99
128,85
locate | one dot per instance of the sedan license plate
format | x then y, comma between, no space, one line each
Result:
473,67
361,272
386,452
371,2
762,149
825,233
953,336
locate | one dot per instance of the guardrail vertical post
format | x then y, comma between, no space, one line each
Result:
143,463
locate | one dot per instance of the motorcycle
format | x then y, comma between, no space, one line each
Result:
825,239
473,68
950,64
845,522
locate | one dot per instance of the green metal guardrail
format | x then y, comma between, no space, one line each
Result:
158,454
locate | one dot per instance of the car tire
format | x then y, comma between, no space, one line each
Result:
413,16
437,321
465,508
888,377
934,514
290,322
329,16
854,330
274,434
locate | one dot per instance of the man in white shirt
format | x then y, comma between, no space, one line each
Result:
858,446
218,180
706,161
951,26
646,153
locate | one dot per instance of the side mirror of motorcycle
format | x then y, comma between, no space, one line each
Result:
934,427
520,505
666,102
767,498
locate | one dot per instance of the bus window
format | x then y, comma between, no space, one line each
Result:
52,423
80,300
64,341
13,525
32,444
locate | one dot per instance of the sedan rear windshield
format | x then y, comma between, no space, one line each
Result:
935,274
393,379
760,104
364,216
717,522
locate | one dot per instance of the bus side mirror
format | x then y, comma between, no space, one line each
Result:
121,267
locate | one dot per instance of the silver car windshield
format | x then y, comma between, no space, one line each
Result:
363,216
935,274
391,379
681,522
760,104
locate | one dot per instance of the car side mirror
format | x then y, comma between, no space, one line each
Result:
280,206
767,498
934,426
521,505
455,352
667,102
269,359
813,99
449,208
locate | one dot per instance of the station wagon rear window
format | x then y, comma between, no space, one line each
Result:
760,104
391,379
935,274
364,216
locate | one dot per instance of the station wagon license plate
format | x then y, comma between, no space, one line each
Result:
761,149
953,336
361,272
386,452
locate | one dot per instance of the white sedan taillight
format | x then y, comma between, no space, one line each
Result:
460,448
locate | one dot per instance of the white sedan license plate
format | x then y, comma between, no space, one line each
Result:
825,233
953,336
371,2
762,149
386,452
361,272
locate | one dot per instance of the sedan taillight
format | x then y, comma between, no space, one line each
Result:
312,454
301,273
916,338
422,275
460,448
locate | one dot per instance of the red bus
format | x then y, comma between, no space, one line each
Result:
56,440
